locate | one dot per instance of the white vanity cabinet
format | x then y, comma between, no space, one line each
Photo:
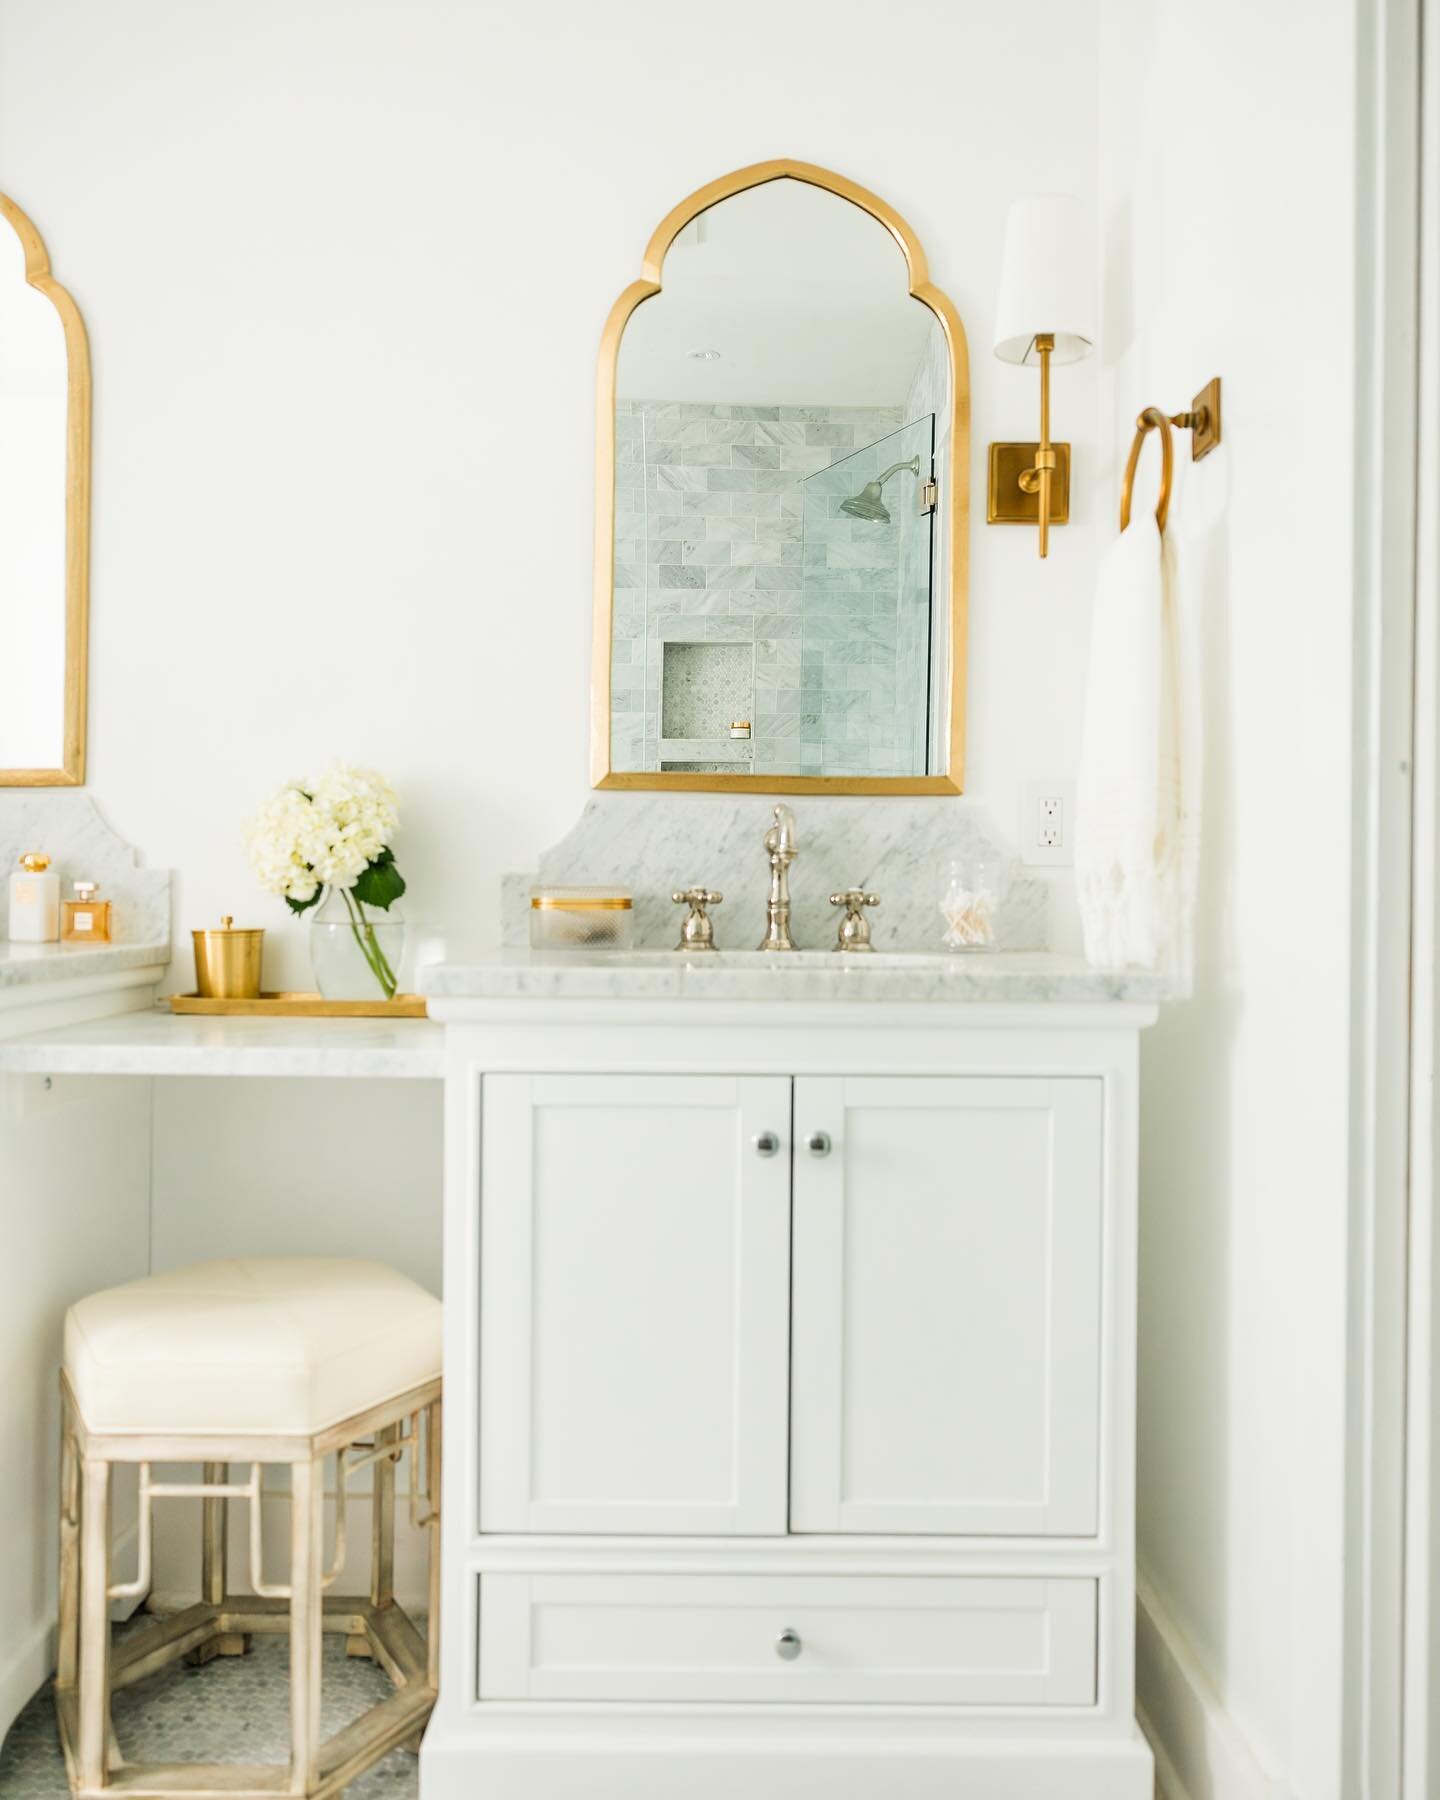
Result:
790,1416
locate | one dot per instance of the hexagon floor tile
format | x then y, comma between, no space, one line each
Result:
234,1710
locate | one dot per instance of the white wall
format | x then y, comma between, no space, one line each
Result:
74,1198
345,265
1227,179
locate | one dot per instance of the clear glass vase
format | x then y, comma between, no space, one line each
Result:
355,950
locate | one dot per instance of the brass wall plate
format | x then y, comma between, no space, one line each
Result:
1205,436
1008,503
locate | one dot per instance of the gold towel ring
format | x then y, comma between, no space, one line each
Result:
1202,422
1152,419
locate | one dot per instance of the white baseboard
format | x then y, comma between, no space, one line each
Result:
1200,1752
26,1671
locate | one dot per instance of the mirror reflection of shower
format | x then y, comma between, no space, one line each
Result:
867,504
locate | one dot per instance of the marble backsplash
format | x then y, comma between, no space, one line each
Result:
655,843
66,824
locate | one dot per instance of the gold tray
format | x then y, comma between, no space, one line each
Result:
300,1006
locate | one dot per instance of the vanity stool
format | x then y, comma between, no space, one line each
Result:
286,1360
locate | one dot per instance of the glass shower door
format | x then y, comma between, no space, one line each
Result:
867,609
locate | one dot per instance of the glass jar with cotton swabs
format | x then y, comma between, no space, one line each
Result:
972,891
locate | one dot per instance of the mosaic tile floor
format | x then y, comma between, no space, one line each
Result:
235,1710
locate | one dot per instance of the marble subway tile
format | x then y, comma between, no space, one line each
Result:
732,481
711,550
732,574
780,431
730,431
805,459
686,480
678,575
731,529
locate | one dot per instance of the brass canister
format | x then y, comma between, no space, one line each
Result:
227,962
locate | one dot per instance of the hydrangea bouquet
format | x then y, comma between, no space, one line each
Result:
330,836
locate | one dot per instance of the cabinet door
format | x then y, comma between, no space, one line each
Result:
947,1306
635,1276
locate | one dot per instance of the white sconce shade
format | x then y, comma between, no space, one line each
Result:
1047,281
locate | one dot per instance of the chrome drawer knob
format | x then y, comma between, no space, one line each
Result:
818,1143
788,1645
767,1144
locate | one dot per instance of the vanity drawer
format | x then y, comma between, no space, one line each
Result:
904,1639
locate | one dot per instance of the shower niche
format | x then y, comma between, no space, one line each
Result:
781,597
707,706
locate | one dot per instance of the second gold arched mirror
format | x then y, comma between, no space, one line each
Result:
44,515
782,501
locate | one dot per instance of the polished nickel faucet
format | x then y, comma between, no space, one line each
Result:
781,848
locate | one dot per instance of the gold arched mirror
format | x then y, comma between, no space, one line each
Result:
44,515
782,501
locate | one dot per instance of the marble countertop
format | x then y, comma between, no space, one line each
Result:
1005,977
163,1043
22,964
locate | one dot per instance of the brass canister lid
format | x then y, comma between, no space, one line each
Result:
227,928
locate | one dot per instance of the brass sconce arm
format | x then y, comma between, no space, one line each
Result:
1030,483
1038,478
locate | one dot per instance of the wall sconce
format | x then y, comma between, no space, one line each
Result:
1045,315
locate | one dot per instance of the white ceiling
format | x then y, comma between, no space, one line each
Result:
804,295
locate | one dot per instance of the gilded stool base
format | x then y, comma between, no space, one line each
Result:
223,1624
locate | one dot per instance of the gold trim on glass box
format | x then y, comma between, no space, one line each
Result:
958,501
77,510
554,903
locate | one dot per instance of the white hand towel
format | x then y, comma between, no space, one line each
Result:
1138,795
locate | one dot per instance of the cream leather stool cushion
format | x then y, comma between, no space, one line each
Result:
270,1344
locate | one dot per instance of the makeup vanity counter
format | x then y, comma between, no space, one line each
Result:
790,1371
153,1042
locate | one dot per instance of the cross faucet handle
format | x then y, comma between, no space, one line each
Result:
854,927
698,931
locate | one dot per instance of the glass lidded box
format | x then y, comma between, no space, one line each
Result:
581,918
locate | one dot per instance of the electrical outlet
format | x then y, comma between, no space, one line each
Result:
1047,823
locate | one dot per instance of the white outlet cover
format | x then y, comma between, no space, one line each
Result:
1034,797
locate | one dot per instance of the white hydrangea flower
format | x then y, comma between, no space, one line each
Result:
322,833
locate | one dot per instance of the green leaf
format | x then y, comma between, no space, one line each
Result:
300,906
381,883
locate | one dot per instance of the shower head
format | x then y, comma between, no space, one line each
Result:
867,504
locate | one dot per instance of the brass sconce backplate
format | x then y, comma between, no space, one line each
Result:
1008,502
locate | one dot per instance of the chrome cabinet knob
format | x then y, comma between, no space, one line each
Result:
788,1645
767,1144
818,1143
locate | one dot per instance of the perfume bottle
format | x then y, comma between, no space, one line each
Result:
85,920
34,900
